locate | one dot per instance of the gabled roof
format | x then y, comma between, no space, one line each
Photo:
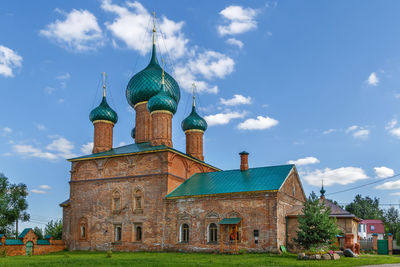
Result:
23,234
65,203
233,181
137,149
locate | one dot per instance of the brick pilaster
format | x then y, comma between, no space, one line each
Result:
390,243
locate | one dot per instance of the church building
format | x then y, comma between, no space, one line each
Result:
148,196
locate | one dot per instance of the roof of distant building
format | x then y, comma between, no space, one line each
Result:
23,233
233,181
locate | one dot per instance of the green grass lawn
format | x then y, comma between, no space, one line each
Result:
84,259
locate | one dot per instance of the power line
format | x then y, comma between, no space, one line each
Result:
367,184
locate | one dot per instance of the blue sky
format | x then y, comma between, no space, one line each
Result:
311,82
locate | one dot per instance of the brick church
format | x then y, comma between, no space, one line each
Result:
148,196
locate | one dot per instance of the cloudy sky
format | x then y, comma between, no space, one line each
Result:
314,83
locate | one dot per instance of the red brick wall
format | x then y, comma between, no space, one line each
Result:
103,136
194,144
161,128
142,123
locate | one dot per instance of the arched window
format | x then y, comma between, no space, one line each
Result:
116,201
138,201
185,233
138,233
117,233
212,233
83,227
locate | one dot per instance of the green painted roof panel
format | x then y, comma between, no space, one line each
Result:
233,181
128,149
14,242
43,242
230,221
23,233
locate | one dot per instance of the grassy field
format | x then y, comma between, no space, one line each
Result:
84,259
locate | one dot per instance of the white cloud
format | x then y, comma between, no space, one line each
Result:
304,161
185,77
260,123
233,41
395,194
237,20
78,32
49,90
222,118
358,132
122,144
329,131
236,100
373,79
37,191
30,151
65,76
63,146
342,176
211,64
45,186
41,127
7,130
132,24
383,172
392,129
9,60
389,185
87,148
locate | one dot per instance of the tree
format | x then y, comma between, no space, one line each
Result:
54,229
13,205
391,218
316,228
365,208
39,232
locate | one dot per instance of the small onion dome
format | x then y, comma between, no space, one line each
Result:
194,122
146,84
133,132
103,113
162,101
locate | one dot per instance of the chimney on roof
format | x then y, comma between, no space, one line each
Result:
244,161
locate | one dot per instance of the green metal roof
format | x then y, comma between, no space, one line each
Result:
48,236
43,242
230,221
14,242
233,181
1,235
23,233
128,149
162,101
103,112
146,83
194,122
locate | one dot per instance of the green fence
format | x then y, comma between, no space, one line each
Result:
383,247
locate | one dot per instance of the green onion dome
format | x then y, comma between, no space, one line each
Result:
103,113
133,132
162,101
147,83
194,122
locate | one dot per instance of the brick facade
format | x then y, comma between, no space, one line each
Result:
161,127
194,143
103,136
142,123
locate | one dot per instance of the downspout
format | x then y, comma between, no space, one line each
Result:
286,231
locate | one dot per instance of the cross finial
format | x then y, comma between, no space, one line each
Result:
104,84
194,89
322,191
154,27
163,67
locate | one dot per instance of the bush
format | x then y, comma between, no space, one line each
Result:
109,253
3,253
30,254
242,251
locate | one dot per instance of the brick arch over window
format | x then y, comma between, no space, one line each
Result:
147,163
115,167
179,167
85,170
83,229
195,168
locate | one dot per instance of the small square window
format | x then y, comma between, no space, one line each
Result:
117,233
372,228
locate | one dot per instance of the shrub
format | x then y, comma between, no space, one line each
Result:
109,253
242,251
3,253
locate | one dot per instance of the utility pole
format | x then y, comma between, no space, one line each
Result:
16,229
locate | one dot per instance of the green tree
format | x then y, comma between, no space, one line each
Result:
39,232
391,218
54,228
13,205
316,228
365,208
